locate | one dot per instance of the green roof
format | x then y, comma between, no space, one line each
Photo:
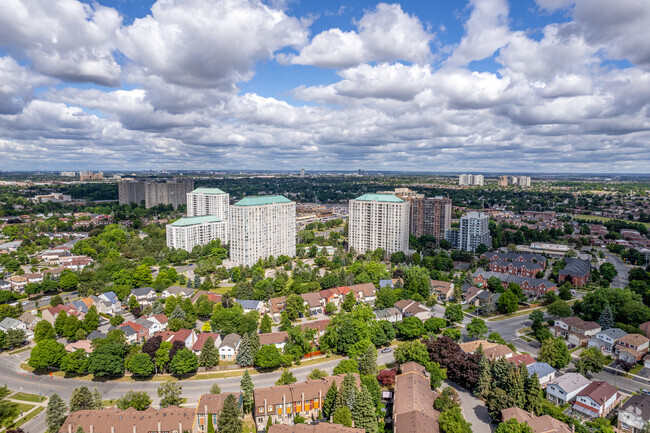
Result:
380,197
208,191
190,221
262,200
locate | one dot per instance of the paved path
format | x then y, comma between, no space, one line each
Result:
473,409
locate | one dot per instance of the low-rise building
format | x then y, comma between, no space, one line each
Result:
576,272
144,295
413,401
575,330
364,293
199,344
596,400
634,414
606,340
391,314
632,347
251,305
278,339
545,373
565,388
444,289
313,428
229,347
532,287
113,420
210,406
183,291
410,308
314,301
538,424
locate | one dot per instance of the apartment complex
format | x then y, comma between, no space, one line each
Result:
474,230
154,193
186,233
260,227
430,216
471,180
504,181
89,175
379,221
113,420
208,201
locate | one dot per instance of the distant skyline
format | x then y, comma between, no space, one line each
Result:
483,86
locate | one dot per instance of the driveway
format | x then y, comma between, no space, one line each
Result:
474,410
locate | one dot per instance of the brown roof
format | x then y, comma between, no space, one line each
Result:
415,308
200,340
312,299
633,339
471,292
294,392
212,403
413,403
130,420
522,359
539,424
472,346
413,367
403,303
277,304
599,391
316,325
316,428
497,351
645,327
214,297
274,338
368,289
441,286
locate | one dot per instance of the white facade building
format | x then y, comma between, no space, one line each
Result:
261,227
186,233
471,180
379,221
208,201
474,231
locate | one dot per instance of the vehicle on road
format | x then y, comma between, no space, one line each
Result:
387,350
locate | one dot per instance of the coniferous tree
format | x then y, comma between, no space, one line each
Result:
484,377
81,399
363,414
215,389
330,399
228,420
97,399
606,319
265,324
209,356
55,414
247,388
368,361
534,395
245,357
347,392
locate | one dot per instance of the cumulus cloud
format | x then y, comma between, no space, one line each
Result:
208,43
66,39
17,85
384,34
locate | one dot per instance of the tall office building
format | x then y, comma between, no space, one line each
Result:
186,233
154,193
474,231
260,227
379,221
503,181
208,201
429,215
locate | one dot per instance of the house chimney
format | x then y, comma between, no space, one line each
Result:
158,426
112,429
134,429
92,430
69,428
180,427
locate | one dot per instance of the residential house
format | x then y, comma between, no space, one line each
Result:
276,306
282,403
323,427
487,299
50,313
388,283
632,347
410,308
391,314
95,334
364,293
470,295
565,388
576,271
634,414
198,345
575,330
9,323
111,299
187,336
5,285
160,319
545,373
29,319
251,305
532,287
522,359
318,326
130,334
229,347
183,291
491,351
152,326
170,419
645,328
81,344
330,295
444,289
314,301
79,305
212,297
515,257
144,295
413,401
523,269
538,424
278,339
596,400
606,340
210,405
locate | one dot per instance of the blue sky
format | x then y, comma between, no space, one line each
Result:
480,85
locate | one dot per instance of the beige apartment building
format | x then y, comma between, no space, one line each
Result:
379,221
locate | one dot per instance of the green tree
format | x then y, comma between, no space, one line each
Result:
347,366
286,378
55,414
44,331
209,356
294,306
559,309
533,395
485,380
591,359
606,319
410,327
229,418
81,399
386,298
330,399
116,320
414,351
433,325
452,333
60,322
342,416
140,364
363,412
215,389
368,362
246,354
170,394
69,282
454,313
513,426
142,276
45,354
349,302
417,281
184,361
138,400
452,421
91,320
75,362
265,324
477,328
555,353
247,388
317,373
268,357
508,302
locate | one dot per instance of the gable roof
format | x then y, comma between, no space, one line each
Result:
179,290
613,333
130,419
312,298
368,289
538,424
249,304
230,340
599,391
633,339
541,368
212,403
645,328
142,291
576,267
273,338
522,359
639,404
202,337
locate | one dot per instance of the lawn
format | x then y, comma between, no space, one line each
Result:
221,290
29,416
636,369
24,407
23,396
601,219
24,349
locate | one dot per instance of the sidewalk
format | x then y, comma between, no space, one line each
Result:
25,415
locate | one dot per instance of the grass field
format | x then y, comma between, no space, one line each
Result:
29,416
24,407
579,217
23,396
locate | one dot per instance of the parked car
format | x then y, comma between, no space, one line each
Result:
387,350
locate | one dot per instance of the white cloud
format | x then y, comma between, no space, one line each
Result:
208,43
384,34
64,38
17,85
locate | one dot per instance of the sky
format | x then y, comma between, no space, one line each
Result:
553,86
